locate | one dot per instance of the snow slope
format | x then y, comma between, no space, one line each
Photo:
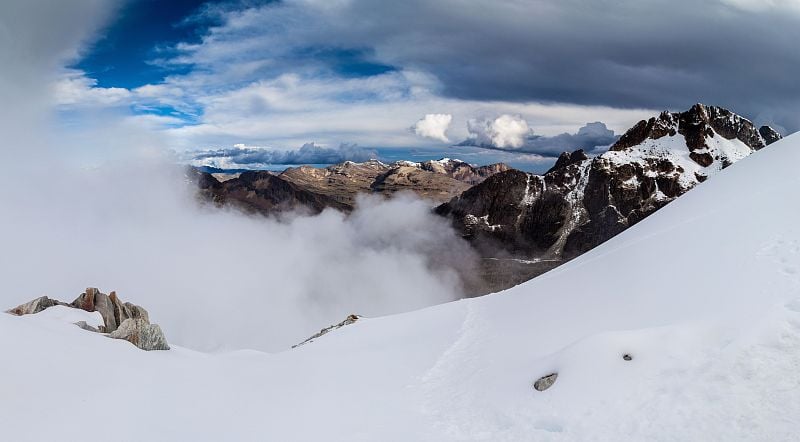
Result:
705,296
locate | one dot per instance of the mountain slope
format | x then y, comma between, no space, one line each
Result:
704,297
582,202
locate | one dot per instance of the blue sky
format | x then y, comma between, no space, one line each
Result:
531,77
142,30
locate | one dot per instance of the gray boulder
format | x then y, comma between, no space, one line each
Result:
545,382
142,334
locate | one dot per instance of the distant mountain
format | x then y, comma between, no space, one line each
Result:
582,202
312,189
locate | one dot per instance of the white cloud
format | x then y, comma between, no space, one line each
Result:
74,88
505,131
434,126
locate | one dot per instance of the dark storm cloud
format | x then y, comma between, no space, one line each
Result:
740,54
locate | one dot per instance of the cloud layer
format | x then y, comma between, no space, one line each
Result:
243,157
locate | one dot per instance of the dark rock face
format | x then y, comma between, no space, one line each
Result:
582,202
769,134
568,158
697,125
120,320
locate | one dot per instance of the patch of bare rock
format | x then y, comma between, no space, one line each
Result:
121,320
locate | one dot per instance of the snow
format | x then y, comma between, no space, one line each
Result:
705,296
674,149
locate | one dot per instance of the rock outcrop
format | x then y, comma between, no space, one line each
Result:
582,202
34,306
141,333
350,319
121,320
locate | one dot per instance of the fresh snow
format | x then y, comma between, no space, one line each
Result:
704,295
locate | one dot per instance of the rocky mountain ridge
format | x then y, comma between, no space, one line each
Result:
312,189
582,202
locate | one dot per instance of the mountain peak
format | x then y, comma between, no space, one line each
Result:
697,125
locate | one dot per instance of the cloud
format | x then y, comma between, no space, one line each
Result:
434,126
243,157
76,89
503,132
512,133
626,54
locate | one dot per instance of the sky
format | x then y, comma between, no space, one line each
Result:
529,77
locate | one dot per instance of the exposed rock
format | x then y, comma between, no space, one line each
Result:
342,182
141,333
93,301
627,357
262,192
545,382
769,134
582,202
115,314
697,125
85,326
567,158
435,186
34,306
350,319
313,189
460,170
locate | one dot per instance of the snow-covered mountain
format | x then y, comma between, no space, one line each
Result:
582,202
703,297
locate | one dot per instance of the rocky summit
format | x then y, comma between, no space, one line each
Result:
543,220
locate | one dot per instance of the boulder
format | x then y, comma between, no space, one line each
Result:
545,382
34,306
142,334
111,308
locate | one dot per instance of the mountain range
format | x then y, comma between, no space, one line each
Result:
522,224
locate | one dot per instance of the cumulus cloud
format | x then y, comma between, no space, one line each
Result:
434,126
244,157
503,132
512,133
